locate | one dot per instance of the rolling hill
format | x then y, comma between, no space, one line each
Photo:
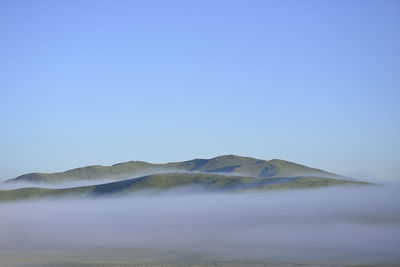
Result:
162,182
227,173
227,164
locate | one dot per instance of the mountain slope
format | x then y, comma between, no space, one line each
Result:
162,182
228,164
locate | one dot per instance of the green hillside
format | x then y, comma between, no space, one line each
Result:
167,181
228,164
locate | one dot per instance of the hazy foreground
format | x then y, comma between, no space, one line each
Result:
349,225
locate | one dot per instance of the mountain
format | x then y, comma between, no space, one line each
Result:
227,173
167,181
227,164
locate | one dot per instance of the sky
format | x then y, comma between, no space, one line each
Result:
102,82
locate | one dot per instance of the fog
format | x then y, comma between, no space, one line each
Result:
349,224
6,184
59,185
9,185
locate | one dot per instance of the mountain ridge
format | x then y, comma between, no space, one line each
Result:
191,181
229,164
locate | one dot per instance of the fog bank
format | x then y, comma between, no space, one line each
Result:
351,224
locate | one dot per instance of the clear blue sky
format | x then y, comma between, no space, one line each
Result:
100,82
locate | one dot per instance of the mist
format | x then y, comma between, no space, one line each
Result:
349,224
9,185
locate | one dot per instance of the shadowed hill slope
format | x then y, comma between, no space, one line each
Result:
228,164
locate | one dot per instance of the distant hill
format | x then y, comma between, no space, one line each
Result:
227,164
227,173
167,181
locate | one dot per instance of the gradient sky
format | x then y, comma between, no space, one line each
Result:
100,82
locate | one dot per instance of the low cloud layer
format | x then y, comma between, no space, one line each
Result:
350,224
9,185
